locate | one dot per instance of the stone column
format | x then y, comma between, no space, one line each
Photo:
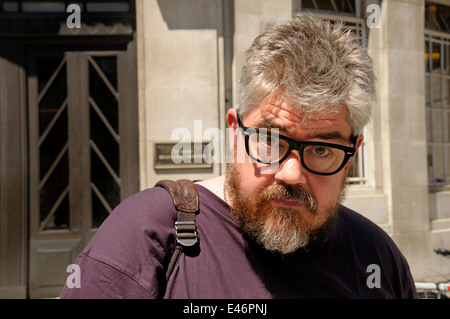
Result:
403,142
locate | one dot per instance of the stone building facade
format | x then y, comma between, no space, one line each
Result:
85,108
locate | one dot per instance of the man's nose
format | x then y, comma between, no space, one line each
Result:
291,170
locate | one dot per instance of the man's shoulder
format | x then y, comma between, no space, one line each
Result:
363,231
145,208
129,247
149,213
371,245
358,222
146,200
366,234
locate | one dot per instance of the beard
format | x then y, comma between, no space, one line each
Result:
280,229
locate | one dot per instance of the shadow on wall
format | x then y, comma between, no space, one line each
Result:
190,14
205,15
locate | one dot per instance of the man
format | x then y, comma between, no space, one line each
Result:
273,226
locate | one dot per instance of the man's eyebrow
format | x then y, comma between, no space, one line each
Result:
334,135
265,123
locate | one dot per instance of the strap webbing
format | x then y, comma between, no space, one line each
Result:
185,199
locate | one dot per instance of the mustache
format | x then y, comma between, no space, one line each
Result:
284,192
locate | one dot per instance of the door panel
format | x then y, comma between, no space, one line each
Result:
51,149
78,167
53,145
104,136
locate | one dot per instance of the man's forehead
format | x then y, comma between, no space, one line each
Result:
293,121
272,108
288,119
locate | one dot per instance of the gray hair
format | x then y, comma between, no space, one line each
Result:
313,65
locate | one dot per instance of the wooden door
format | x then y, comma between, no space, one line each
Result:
83,146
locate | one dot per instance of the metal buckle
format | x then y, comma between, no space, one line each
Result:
186,232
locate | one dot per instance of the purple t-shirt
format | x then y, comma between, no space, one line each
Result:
129,254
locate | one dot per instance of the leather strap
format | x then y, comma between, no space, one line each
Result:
184,194
185,199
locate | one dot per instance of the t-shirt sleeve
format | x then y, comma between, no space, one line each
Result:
102,281
373,246
405,288
128,255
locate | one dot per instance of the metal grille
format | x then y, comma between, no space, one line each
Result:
104,136
437,87
77,141
437,17
341,7
437,81
53,144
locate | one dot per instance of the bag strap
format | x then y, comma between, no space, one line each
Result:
185,199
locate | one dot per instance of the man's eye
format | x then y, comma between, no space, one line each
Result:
269,140
321,151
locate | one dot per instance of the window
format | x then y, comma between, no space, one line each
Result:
60,6
352,14
348,11
437,88
346,6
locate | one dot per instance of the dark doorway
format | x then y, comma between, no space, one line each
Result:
68,134
82,150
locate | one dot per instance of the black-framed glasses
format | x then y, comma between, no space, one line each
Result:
268,147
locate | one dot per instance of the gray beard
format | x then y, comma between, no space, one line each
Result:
278,229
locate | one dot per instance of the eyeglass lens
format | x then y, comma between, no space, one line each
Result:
270,149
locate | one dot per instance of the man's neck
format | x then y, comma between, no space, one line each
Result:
215,185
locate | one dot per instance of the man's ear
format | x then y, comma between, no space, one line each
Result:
231,131
359,142
232,119
358,145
